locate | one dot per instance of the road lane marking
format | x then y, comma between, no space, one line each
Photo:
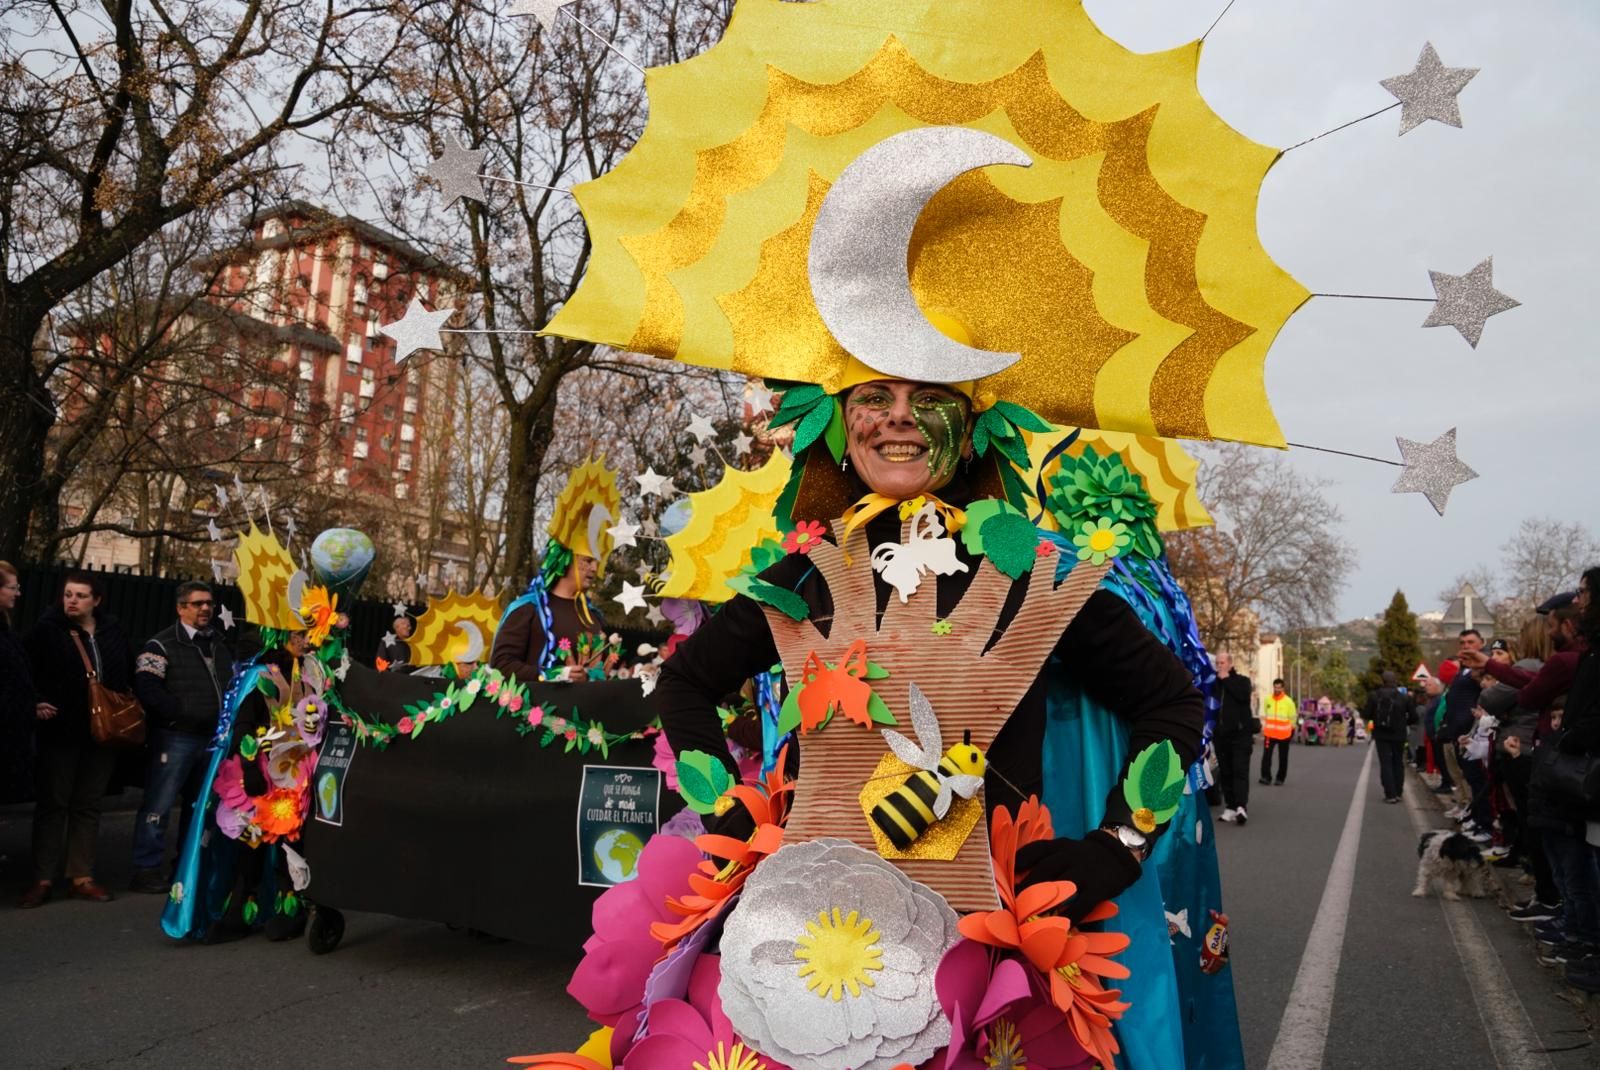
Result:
1512,1037
1303,1030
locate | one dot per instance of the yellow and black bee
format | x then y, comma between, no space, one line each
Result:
909,810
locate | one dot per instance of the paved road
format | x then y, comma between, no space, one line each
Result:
97,986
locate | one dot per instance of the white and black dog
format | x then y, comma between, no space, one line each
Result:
1452,860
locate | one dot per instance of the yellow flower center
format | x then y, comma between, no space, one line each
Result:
1070,972
839,952
1005,1047
1102,539
737,1057
284,809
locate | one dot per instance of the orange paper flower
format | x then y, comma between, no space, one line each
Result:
278,813
1070,960
319,610
711,887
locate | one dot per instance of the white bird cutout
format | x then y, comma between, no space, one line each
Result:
928,550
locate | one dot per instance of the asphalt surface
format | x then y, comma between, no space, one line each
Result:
87,985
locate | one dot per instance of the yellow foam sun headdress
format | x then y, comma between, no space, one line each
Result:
725,522
575,522
1123,265
1169,471
457,627
271,583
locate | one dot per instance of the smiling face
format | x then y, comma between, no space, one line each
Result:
904,439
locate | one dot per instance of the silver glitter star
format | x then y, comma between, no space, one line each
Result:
400,608
225,615
760,398
741,444
1465,301
388,637
700,427
697,455
1429,91
457,172
632,596
417,329
212,530
1432,469
545,11
622,534
652,482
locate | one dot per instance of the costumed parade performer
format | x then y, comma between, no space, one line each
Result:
554,631
240,870
936,231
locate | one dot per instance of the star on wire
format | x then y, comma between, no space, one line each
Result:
222,495
1466,301
216,571
417,329
697,455
653,615
225,615
623,534
457,171
547,11
1429,91
700,427
1432,469
400,608
741,444
212,529
760,399
632,596
652,482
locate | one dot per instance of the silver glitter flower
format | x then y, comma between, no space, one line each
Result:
828,961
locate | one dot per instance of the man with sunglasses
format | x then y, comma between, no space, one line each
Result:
181,676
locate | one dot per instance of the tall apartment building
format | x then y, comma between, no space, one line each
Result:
309,293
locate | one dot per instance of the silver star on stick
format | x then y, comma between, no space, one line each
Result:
623,534
1429,91
457,172
212,530
1465,301
417,329
632,596
1432,469
226,616
543,10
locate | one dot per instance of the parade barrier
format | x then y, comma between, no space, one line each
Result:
476,824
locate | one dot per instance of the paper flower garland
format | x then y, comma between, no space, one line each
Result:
828,963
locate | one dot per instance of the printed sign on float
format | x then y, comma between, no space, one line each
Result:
619,809
333,765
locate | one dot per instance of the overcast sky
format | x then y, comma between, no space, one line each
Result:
1366,211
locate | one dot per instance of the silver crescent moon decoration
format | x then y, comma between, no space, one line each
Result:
599,517
857,264
297,592
475,644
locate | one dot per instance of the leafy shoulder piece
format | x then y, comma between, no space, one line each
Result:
1153,787
815,414
1003,533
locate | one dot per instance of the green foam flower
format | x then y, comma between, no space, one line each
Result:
1091,487
1099,540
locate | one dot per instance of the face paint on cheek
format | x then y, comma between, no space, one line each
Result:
865,422
941,423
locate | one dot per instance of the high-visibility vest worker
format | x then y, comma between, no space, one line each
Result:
1279,716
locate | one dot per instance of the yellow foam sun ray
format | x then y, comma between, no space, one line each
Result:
1169,471
265,569
439,637
1167,302
725,523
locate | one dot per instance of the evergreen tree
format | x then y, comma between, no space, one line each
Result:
1399,647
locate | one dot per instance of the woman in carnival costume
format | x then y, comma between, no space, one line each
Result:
554,631
934,228
240,870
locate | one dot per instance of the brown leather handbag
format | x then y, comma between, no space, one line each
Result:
115,717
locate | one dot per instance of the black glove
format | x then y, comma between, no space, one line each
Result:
255,781
1098,864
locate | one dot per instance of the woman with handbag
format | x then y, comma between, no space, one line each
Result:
74,645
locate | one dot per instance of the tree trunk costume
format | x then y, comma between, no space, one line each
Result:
816,201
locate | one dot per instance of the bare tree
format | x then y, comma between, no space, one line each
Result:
552,108
118,119
1544,557
1275,550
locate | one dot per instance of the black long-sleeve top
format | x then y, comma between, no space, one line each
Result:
1106,649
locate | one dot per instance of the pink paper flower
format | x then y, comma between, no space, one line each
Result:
515,704
404,725
535,715
571,733
694,1031
998,1017
618,957
230,822
493,688
565,645
229,784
